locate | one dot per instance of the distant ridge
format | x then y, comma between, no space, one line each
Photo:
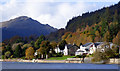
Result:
24,26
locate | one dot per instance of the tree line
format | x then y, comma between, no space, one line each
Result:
19,47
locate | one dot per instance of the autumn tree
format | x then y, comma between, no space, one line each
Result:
53,44
44,48
90,39
87,28
29,53
107,36
98,37
116,40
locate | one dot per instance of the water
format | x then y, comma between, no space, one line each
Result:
22,65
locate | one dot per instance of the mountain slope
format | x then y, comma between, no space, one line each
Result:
94,17
102,20
24,26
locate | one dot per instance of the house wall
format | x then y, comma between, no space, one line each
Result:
57,50
65,51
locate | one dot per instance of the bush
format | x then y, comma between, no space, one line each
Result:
22,57
99,56
79,56
90,55
57,55
7,54
2,56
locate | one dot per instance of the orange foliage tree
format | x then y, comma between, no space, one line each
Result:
116,40
29,53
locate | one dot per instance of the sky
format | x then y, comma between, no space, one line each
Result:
56,13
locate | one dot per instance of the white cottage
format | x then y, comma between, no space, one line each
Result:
87,48
90,48
68,50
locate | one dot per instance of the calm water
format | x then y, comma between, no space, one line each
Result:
21,65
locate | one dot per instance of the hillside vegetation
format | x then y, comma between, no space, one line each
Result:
100,25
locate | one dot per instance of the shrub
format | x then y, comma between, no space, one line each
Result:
99,56
2,56
79,56
7,54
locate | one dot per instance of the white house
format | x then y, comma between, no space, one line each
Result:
65,51
57,50
87,48
90,48
68,50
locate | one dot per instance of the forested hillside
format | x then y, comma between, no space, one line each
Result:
100,25
108,14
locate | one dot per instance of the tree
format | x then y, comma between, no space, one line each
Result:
107,36
44,48
15,45
115,19
98,37
8,48
15,39
23,51
32,43
116,40
90,38
7,54
53,44
115,50
17,52
104,27
38,42
107,15
62,44
29,53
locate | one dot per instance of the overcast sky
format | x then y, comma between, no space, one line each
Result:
56,13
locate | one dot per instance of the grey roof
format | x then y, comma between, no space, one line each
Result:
80,51
86,44
70,45
96,44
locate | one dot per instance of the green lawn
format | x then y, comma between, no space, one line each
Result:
60,58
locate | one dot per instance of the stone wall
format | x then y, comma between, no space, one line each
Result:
114,61
69,60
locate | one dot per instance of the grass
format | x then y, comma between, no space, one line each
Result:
60,58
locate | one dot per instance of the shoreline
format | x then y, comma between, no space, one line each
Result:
48,61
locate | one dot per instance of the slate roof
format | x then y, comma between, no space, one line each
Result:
96,44
87,44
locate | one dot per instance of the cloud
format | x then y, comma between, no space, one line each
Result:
53,12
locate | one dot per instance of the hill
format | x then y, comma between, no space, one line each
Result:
109,14
24,26
100,25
